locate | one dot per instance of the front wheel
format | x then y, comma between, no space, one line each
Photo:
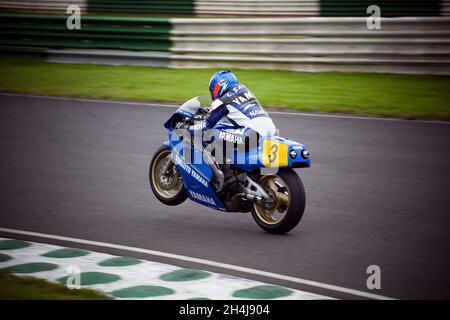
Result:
288,206
165,179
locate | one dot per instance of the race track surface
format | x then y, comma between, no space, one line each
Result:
377,194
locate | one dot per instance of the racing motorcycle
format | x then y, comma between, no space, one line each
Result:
267,186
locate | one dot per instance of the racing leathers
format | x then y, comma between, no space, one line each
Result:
235,115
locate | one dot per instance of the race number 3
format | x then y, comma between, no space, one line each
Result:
274,154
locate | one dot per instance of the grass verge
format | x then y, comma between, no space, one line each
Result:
385,95
28,288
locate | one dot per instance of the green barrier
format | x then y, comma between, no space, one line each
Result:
50,31
185,7
389,8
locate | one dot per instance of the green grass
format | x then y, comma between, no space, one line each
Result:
28,288
385,95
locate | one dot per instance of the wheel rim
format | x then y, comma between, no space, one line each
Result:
167,184
279,191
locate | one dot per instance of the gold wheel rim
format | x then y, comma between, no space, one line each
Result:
279,189
166,185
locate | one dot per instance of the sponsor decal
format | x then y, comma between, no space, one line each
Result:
202,198
257,112
231,137
250,105
198,126
243,98
179,161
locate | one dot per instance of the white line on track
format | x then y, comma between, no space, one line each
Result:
272,275
164,105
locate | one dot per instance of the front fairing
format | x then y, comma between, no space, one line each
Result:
196,173
259,157
188,110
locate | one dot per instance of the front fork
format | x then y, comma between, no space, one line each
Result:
165,168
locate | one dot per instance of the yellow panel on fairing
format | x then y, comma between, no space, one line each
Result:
275,154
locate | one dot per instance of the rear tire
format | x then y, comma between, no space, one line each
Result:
179,194
294,212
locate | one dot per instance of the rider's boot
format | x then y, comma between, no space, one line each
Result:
230,179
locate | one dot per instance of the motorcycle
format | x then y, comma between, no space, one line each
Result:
267,186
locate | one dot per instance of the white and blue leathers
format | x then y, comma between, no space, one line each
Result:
238,111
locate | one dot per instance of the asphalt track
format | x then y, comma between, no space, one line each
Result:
377,194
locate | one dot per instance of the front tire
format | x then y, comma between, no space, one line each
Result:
289,194
168,186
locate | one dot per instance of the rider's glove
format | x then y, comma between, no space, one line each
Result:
181,125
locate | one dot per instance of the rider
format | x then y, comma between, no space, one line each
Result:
235,111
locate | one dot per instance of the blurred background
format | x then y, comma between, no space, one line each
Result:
341,38
301,35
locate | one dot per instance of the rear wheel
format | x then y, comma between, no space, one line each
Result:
165,179
288,206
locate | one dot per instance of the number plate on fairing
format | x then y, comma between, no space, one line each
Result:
275,154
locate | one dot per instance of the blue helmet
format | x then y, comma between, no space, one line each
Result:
221,82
